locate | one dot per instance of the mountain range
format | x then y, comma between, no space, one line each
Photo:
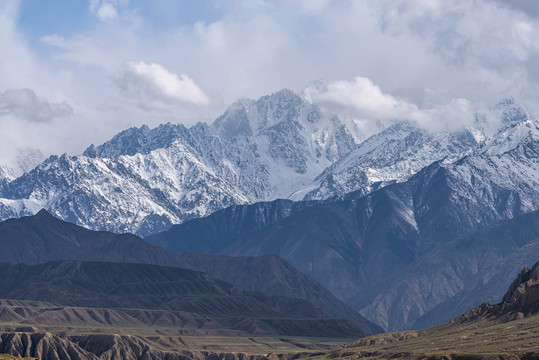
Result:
190,293
144,180
354,246
280,146
281,176
85,307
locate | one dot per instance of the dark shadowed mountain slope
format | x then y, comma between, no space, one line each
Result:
334,243
41,238
272,275
215,233
456,276
141,286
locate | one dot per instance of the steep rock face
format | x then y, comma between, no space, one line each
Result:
523,294
6,175
144,180
454,277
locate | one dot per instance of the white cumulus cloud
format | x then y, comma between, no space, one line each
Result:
361,98
152,85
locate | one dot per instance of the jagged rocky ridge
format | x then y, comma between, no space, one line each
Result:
144,180
279,146
356,246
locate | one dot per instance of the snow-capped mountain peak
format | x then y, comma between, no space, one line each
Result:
143,180
392,155
513,136
138,140
278,146
511,111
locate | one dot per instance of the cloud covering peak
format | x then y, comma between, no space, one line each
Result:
26,105
370,108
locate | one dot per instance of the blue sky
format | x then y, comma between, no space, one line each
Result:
75,72
39,18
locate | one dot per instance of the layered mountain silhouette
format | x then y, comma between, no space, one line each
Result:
104,310
506,330
141,286
43,238
416,194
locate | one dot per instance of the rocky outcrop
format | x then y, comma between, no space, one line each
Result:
521,300
523,294
44,346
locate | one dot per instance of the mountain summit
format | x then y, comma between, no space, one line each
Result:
143,180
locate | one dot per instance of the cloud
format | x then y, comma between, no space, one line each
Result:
418,59
361,98
106,10
371,109
528,7
152,85
25,104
